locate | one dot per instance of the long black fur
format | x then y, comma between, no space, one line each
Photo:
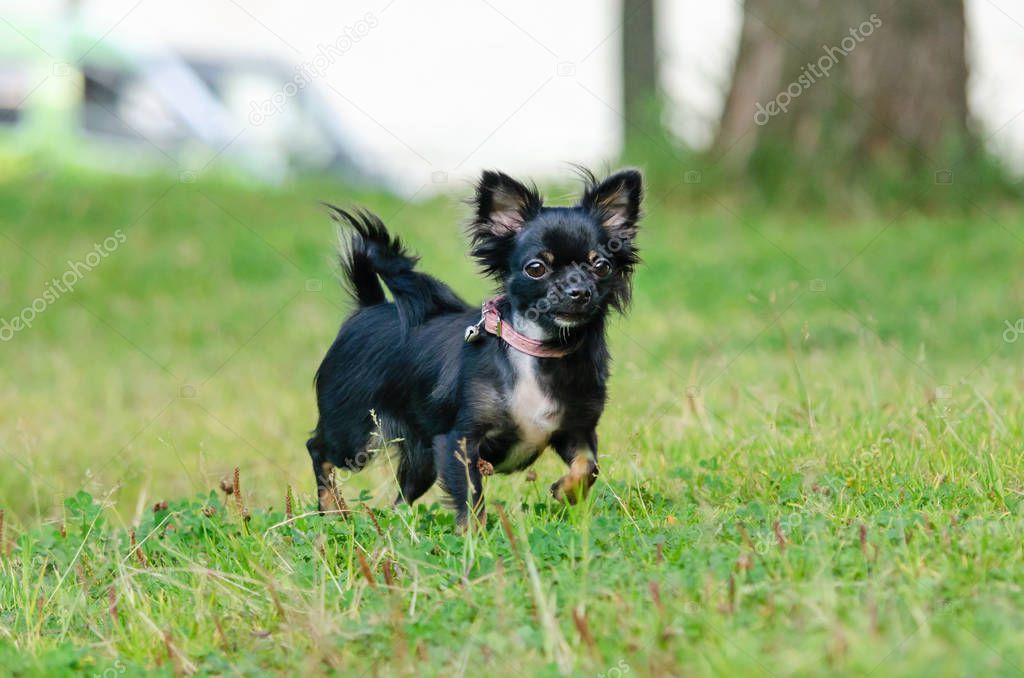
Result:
373,252
463,409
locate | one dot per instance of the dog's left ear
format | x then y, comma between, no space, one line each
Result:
616,203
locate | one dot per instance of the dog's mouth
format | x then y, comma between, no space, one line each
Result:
570,318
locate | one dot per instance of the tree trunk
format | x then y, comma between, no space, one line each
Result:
848,85
640,100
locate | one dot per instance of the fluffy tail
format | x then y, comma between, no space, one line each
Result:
373,255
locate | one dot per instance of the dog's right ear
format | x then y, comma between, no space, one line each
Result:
503,204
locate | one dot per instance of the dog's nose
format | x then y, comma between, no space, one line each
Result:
579,294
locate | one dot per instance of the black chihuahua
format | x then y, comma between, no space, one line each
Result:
469,392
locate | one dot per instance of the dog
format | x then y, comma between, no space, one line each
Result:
468,391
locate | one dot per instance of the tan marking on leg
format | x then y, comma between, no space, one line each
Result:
331,500
576,483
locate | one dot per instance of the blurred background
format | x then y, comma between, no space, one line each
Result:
411,96
833,210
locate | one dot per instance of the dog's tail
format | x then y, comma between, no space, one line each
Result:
373,255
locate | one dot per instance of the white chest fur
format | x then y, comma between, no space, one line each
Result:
535,414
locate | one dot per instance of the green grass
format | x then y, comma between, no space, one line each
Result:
811,460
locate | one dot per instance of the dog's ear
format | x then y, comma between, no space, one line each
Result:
615,202
503,204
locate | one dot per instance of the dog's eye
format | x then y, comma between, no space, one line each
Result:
602,268
535,268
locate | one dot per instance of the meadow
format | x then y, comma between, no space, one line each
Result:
811,460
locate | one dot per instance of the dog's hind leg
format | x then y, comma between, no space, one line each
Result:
416,472
329,500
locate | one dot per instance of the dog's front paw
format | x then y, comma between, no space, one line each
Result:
332,503
567,490
575,484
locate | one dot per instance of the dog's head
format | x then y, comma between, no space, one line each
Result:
562,267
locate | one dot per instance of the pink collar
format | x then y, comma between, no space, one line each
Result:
491,322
